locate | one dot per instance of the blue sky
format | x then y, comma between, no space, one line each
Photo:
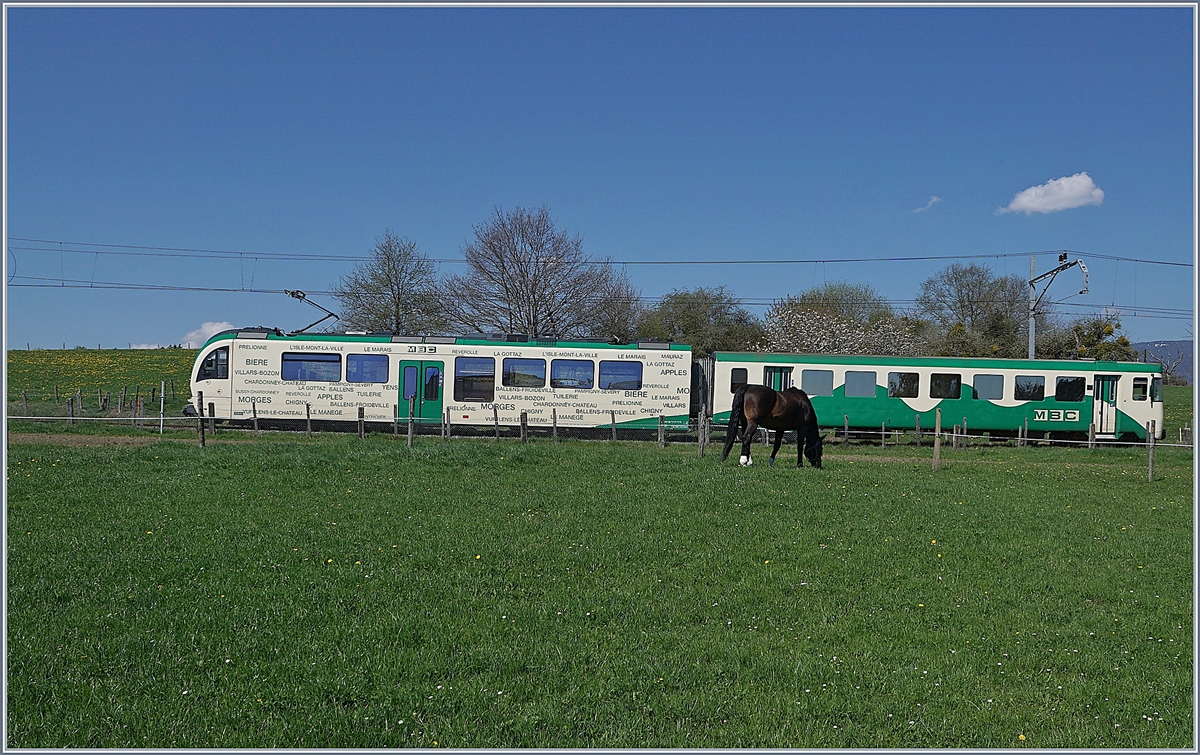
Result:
656,134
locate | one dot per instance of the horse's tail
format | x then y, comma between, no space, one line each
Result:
736,420
814,444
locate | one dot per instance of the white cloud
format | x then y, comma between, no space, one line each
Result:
196,338
932,201
1056,195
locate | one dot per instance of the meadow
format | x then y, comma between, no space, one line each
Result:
280,591
34,375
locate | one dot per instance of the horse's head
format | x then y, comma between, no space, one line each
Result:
813,451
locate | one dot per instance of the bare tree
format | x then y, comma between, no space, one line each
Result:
393,292
528,276
978,313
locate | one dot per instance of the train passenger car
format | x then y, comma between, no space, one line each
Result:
999,396
469,379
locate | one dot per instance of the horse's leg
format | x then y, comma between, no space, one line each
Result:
730,437
778,443
747,439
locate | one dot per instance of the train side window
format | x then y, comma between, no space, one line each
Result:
215,365
945,385
620,376
1030,388
322,368
1140,386
738,377
1070,388
902,384
817,382
1155,389
524,373
366,368
474,379
988,387
860,383
575,374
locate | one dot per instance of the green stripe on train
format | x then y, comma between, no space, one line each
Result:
1047,415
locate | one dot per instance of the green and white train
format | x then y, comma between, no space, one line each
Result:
590,384
997,396
256,372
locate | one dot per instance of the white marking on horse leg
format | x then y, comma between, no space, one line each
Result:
745,461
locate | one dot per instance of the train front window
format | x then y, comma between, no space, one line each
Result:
320,368
902,384
620,376
366,368
1155,389
945,385
1029,388
817,382
524,373
860,383
215,365
1070,388
1140,389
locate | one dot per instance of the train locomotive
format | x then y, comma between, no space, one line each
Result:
479,380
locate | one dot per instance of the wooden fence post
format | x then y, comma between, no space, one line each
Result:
395,419
212,418
362,430
70,410
613,418
554,425
56,394
937,439
254,415
918,431
25,401
662,431
964,433
496,420
1092,435
524,427
883,435
845,429
308,418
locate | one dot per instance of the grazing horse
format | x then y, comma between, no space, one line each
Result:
757,406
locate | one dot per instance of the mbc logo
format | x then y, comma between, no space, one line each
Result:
1055,415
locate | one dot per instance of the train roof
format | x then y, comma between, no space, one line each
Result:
1086,365
498,339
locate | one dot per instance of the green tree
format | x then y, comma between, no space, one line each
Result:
393,292
977,313
710,319
1088,338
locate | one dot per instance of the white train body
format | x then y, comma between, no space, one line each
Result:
472,381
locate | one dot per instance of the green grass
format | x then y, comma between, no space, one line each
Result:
139,371
347,593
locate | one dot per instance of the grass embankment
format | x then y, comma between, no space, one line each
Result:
346,593
139,372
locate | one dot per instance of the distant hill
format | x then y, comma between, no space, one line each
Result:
1168,353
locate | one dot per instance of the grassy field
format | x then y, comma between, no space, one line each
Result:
138,371
280,591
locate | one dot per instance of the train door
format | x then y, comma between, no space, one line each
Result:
778,378
1104,403
421,385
